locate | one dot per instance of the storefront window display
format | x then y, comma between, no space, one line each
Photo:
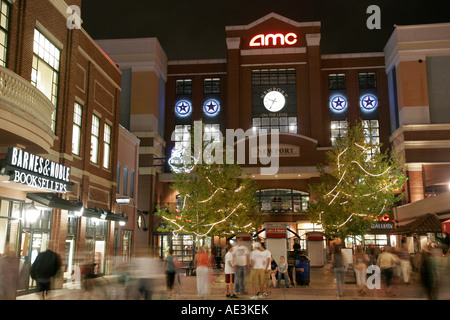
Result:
10,213
282,200
95,242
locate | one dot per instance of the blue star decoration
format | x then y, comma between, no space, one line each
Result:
183,108
211,107
369,102
338,103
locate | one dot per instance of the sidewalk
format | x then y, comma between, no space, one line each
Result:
322,287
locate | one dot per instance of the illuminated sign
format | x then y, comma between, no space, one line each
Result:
369,102
271,39
338,103
211,107
183,108
35,171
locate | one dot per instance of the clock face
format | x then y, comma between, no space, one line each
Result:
274,101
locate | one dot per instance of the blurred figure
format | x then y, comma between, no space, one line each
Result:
258,265
338,264
9,276
242,259
405,263
171,265
44,267
146,269
267,266
229,272
283,272
387,261
360,261
202,262
273,271
428,272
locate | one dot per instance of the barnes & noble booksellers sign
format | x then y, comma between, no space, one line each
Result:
36,171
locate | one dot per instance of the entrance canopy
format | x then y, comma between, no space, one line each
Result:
427,223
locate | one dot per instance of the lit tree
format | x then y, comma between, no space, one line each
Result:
360,186
214,199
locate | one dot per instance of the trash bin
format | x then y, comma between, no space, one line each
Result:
302,270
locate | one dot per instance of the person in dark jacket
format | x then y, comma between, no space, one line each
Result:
43,269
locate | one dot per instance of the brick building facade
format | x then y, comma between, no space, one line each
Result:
64,70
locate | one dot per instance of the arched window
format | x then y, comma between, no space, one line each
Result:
282,200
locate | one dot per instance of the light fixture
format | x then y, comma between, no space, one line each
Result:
123,200
79,213
32,213
449,186
122,223
103,215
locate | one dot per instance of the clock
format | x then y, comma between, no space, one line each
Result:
274,101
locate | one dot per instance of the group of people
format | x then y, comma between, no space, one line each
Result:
263,270
392,263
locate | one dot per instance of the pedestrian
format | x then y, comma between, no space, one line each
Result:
283,272
267,267
242,263
230,272
43,269
273,271
202,263
360,261
428,272
405,263
9,275
146,270
258,265
387,262
338,263
171,266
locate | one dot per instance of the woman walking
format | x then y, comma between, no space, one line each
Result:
338,264
171,265
202,262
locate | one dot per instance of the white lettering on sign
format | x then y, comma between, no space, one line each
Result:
284,150
264,40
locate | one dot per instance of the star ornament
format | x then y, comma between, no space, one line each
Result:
183,108
369,102
211,107
338,103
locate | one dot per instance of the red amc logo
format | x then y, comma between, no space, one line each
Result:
264,40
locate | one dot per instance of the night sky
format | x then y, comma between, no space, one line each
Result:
195,29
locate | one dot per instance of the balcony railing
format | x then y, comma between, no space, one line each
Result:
27,111
25,99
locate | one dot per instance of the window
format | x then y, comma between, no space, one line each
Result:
118,178
4,31
125,181
283,124
338,130
132,184
273,76
337,81
95,133
182,136
45,69
282,200
184,86
372,135
367,80
211,85
106,146
76,131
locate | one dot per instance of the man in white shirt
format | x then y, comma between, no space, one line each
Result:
267,260
242,263
229,272
258,264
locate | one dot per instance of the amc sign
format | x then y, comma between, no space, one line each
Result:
271,39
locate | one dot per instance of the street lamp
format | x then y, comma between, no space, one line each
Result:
32,213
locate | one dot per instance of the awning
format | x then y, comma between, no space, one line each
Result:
427,223
99,213
52,200
446,226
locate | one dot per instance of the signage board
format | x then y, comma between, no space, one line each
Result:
37,172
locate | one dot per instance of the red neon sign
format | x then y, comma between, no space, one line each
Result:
273,39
